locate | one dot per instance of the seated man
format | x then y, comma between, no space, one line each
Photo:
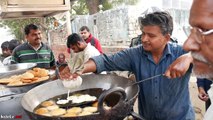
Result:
61,60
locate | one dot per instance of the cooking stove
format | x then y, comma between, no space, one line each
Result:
11,108
10,102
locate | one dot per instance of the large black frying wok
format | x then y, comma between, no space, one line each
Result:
110,83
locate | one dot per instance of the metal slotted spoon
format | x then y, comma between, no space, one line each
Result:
146,79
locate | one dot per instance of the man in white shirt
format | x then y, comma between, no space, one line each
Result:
80,53
200,43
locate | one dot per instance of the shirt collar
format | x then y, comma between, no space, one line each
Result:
89,38
36,49
167,51
88,46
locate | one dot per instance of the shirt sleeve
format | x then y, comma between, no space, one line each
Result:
98,46
200,82
120,61
14,57
90,52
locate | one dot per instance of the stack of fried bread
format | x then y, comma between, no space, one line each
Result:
30,76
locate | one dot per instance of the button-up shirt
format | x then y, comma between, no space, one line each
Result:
160,98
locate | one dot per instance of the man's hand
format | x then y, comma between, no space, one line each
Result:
76,74
65,73
179,67
202,94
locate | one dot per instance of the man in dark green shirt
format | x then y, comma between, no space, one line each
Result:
33,51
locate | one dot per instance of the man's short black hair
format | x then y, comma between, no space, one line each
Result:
30,27
13,44
73,39
5,45
161,19
84,28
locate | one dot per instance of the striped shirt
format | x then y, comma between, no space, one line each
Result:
25,53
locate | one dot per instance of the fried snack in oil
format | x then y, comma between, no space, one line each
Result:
53,107
84,113
90,109
47,103
75,110
42,111
69,115
58,112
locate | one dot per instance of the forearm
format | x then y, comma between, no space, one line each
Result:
180,66
89,66
189,57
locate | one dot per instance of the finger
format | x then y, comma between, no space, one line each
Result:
178,74
75,75
205,99
181,72
167,74
173,74
201,97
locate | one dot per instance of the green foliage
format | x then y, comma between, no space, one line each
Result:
126,2
106,5
80,8
16,26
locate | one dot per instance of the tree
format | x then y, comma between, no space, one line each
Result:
79,7
92,6
16,26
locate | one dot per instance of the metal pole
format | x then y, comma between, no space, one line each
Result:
68,23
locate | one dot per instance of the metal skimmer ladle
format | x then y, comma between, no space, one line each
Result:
146,79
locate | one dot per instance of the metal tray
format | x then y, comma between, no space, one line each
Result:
15,69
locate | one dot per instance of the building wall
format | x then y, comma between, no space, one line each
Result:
110,27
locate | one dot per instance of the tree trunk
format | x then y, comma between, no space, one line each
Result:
92,5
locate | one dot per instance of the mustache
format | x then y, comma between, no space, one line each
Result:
199,57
